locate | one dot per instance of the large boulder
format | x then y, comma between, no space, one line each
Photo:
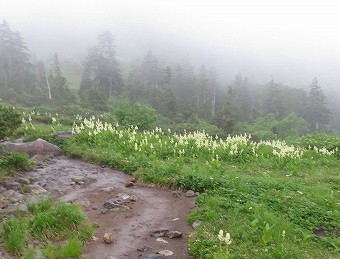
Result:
38,146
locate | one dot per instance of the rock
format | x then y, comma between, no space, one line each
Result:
166,252
37,198
110,257
95,207
108,238
104,211
35,189
64,134
133,179
196,224
129,184
159,239
13,209
133,198
159,232
80,180
123,196
165,233
2,189
144,248
151,256
38,146
72,183
113,203
197,193
176,194
94,238
38,159
190,193
23,180
12,185
174,234
83,202
107,189
13,196
3,204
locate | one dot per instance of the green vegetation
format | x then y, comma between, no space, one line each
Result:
273,198
11,162
9,121
46,222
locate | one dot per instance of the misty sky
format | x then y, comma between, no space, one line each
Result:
294,40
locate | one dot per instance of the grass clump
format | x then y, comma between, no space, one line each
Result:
11,162
48,223
15,235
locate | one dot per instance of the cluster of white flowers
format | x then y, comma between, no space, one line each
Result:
223,238
192,143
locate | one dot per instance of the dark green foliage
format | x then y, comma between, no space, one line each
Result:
59,88
9,121
267,127
101,77
140,115
317,112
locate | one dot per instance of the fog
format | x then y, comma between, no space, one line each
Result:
292,41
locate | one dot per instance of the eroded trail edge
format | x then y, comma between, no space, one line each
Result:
149,209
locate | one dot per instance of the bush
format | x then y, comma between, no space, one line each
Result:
9,121
139,115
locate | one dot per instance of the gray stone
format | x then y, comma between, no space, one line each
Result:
196,224
104,211
123,196
13,209
2,189
133,198
129,184
190,193
64,134
3,204
35,189
38,159
174,234
151,256
107,189
176,194
166,252
23,180
159,232
113,203
12,185
144,248
38,146
80,180
13,196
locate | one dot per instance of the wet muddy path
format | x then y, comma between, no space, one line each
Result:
151,208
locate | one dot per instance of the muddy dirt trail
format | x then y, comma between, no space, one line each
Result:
151,208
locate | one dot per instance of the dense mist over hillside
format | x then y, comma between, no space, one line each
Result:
223,62
291,41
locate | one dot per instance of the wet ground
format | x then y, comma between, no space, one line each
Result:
76,180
